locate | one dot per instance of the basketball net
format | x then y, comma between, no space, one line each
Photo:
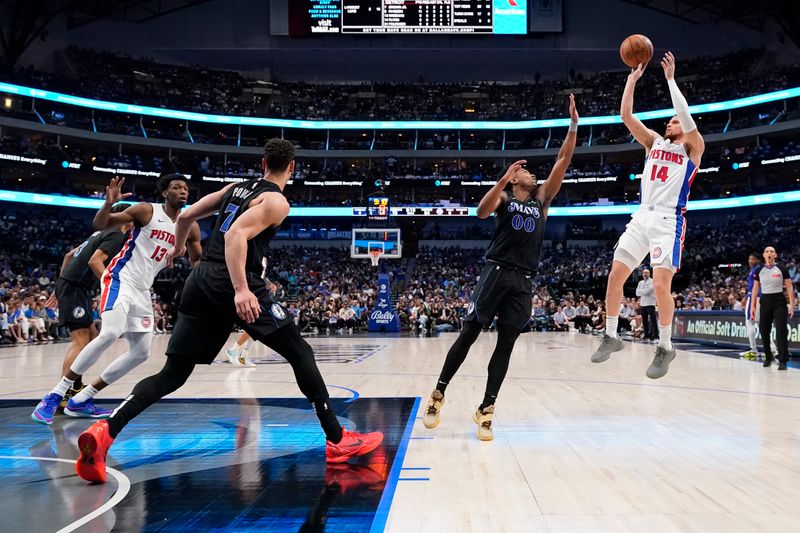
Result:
374,256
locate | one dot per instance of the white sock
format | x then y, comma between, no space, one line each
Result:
665,336
751,335
86,394
611,325
247,344
62,387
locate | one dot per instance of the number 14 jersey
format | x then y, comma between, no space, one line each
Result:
667,177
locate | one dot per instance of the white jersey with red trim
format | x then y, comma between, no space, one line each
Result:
667,177
144,254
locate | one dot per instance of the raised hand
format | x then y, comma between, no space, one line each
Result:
513,170
573,111
114,191
668,64
636,73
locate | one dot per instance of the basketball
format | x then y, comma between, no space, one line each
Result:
636,49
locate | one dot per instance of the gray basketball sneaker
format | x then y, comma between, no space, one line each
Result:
660,365
607,347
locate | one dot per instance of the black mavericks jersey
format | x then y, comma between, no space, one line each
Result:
77,270
518,234
236,200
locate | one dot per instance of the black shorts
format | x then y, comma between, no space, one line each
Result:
74,305
206,314
504,293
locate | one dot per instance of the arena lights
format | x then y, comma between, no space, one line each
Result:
383,124
589,210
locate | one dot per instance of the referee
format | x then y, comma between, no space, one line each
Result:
771,279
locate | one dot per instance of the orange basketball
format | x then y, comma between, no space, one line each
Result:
636,49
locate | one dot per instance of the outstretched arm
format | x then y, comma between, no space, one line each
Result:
269,212
492,199
552,185
193,245
640,132
205,206
138,213
695,145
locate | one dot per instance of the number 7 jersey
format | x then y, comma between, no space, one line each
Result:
235,202
667,177
144,254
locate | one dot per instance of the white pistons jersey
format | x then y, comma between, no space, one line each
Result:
667,177
144,254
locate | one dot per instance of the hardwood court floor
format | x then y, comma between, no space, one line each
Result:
713,446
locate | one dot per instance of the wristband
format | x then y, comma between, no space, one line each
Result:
573,126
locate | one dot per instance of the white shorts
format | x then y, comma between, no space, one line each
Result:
658,233
135,304
747,309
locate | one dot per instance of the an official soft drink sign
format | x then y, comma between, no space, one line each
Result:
725,327
383,316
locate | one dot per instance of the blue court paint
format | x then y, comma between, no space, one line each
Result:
213,464
382,514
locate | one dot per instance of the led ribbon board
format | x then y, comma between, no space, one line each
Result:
591,210
382,124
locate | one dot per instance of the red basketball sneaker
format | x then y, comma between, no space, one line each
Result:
352,445
93,445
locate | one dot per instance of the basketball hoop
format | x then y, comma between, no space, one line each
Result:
375,255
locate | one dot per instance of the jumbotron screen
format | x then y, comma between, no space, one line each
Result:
378,208
410,16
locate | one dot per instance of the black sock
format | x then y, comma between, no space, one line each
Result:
327,419
498,364
148,391
457,353
488,399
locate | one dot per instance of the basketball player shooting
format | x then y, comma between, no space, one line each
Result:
504,287
659,226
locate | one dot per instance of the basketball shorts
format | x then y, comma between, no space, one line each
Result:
748,303
504,293
74,305
206,314
659,233
133,302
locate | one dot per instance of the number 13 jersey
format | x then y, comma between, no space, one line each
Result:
667,177
144,254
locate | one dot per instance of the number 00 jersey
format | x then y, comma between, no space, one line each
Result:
518,234
144,254
667,177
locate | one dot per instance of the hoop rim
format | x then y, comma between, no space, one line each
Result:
375,256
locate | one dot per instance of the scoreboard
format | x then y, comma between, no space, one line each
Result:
414,16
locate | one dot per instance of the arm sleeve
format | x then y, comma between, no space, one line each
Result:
681,107
785,273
